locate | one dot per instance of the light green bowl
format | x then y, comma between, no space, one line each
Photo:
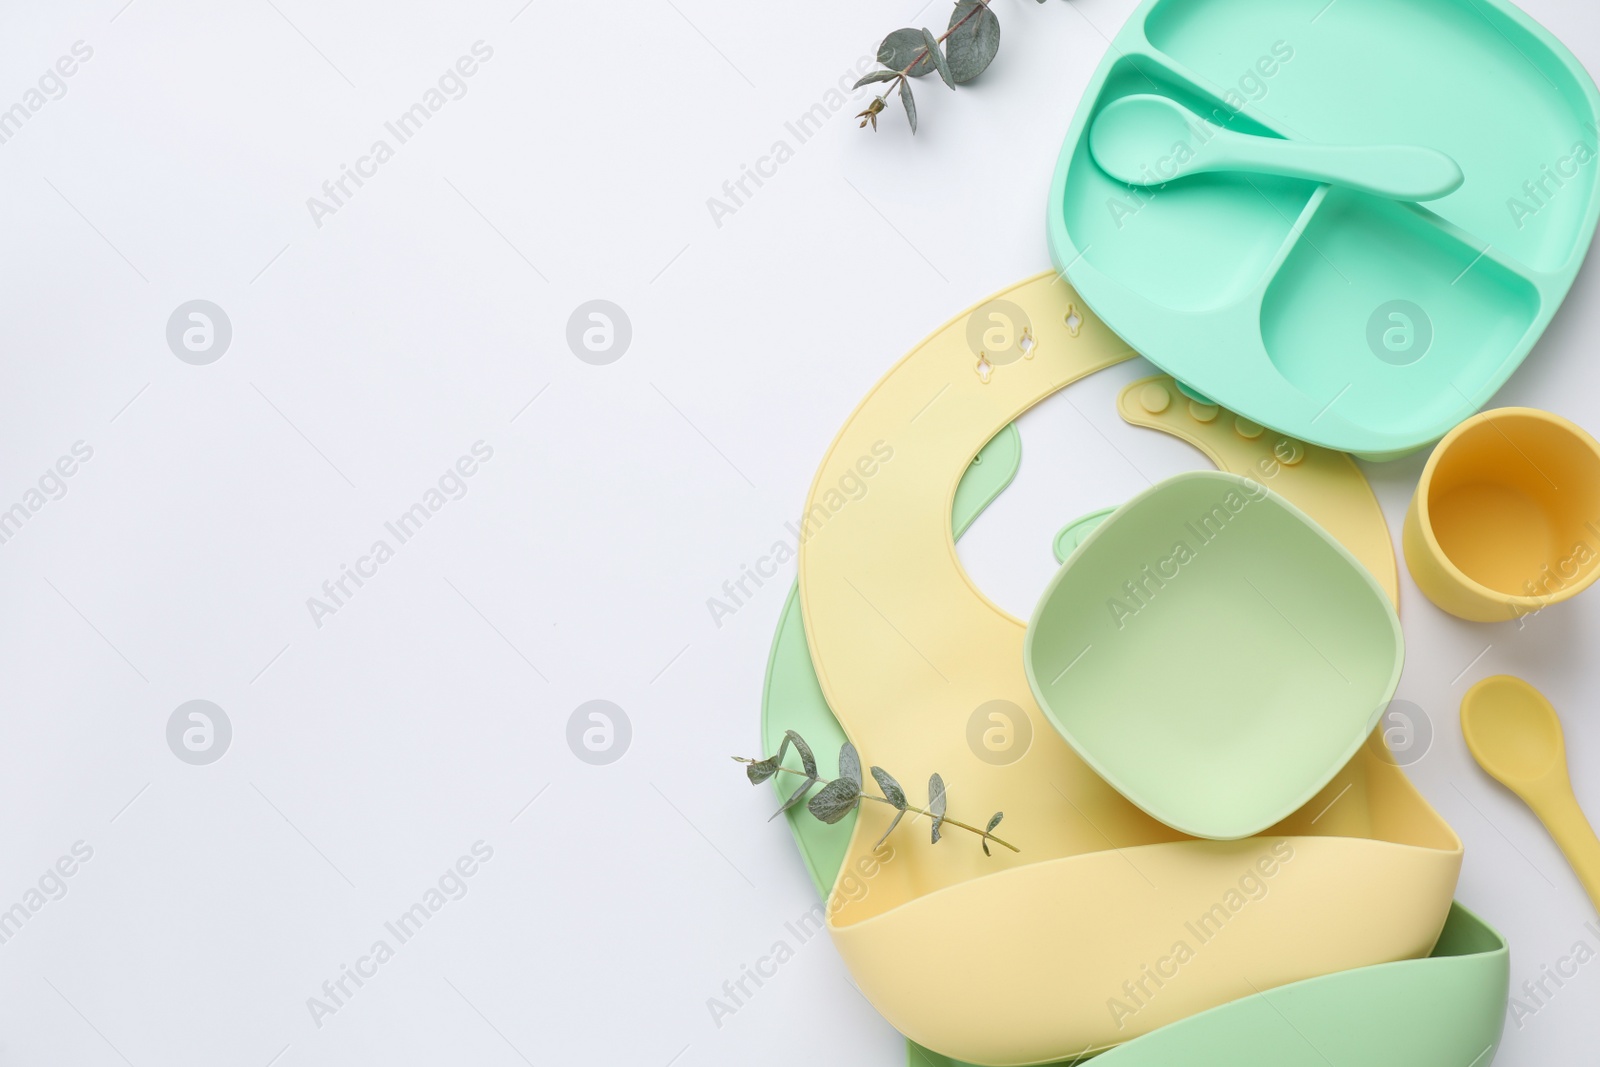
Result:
1347,320
1213,654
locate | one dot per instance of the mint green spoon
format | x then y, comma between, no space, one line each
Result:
1151,140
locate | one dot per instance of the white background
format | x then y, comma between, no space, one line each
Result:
369,353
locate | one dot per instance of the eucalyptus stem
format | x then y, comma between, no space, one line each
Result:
982,5
844,794
920,811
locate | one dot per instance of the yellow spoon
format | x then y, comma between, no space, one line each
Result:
1515,735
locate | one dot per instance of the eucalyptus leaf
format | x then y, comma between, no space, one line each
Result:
940,64
892,824
877,76
973,41
936,803
807,760
836,800
850,764
760,771
900,48
891,788
909,104
794,798
994,821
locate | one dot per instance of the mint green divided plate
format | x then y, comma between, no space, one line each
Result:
1213,654
1339,318
1444,1011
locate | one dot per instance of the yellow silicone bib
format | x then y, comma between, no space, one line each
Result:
1109,924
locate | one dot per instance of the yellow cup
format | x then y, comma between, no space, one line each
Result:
1506,517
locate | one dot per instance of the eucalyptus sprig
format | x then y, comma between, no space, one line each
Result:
969,44
844,794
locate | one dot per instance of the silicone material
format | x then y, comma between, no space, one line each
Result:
1504,519
1150,140
1323,483
1218,580
1351,321
1444,1011
908,653
1326,485
1516,736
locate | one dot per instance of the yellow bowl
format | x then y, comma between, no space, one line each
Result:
1506,517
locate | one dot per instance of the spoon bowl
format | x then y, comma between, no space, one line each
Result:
1134,134
1513,732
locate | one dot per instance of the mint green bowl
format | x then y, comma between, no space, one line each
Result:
1361,324
1214,654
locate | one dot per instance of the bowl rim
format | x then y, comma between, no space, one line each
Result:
1116,780
1424,524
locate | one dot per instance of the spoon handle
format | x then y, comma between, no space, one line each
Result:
1395,172
1561,815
